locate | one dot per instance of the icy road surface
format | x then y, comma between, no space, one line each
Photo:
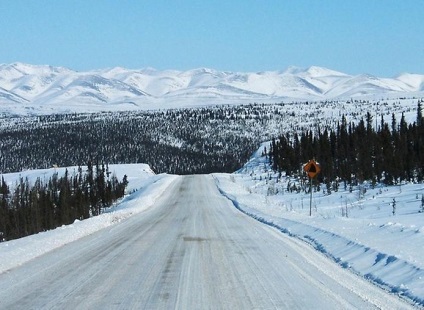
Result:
192,250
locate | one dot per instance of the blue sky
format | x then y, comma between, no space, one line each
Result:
380,37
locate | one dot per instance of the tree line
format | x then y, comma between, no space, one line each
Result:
46,204
353,153
181,141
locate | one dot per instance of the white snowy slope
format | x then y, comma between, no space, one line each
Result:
35,88
359,232
191,250
147,186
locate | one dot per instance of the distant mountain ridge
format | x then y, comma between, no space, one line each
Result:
38,85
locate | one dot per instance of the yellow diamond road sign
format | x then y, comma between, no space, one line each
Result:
312,168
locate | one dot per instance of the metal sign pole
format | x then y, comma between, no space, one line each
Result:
310,201
312,168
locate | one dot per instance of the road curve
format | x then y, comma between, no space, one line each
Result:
192,250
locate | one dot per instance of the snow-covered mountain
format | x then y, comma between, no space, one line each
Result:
33,87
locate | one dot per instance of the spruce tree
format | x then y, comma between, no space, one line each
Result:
419,114
4,210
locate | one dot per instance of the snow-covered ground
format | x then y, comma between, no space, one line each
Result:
359,232
143,190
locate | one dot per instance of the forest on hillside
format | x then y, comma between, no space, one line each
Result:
353,153
27,209
182,141
179,141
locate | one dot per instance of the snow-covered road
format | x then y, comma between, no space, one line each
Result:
192,250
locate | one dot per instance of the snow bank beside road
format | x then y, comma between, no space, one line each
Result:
384,268
144,187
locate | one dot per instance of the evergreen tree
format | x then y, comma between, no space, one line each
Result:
419,114
4,210
64,201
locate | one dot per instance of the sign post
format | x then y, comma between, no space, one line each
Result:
312,168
